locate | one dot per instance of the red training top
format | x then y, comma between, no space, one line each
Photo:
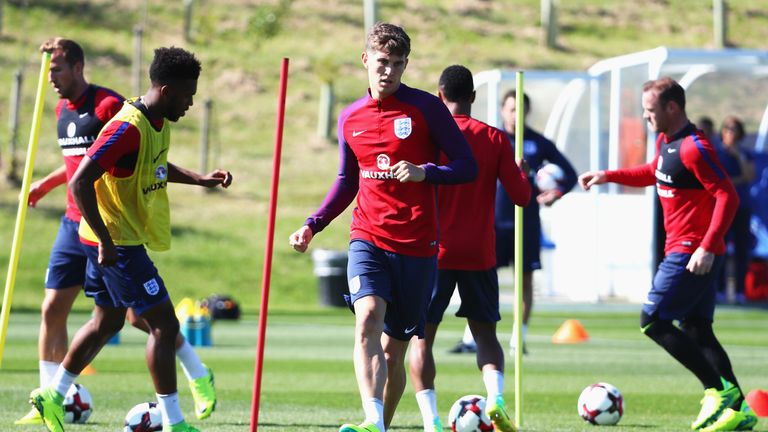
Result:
466,211
697,197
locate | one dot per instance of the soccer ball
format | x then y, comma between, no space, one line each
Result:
549,177
78,404
144,417
468,415
601,404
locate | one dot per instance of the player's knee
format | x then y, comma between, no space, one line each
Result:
696,328
650,325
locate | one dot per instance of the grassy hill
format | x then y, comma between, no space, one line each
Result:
219,237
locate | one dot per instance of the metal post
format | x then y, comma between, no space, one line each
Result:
18,77
188,20
549,22
136,65
325,111
205,133
720,22
370,13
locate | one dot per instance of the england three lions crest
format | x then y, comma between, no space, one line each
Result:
403,127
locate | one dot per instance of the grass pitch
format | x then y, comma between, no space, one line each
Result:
308,382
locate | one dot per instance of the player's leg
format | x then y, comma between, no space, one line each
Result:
394,352
87,342
676,294
200,376
422,370
369,360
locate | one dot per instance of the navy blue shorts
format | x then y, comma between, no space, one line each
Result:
678,294
505,248
404,282
66,265
132,283
479,292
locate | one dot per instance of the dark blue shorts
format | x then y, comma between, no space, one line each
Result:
479,292
132,283
678,294
505,248
66,265
404,282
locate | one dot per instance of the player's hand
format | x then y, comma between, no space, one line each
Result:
216,178
107,254
591,178
547,198
408,172
523,165
37,190
300,239
701,261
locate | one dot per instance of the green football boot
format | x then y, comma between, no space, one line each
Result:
181,426
496,410
714,403
50,405
32,417
731,420
363,427
204,394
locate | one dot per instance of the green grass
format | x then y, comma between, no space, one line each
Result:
308,380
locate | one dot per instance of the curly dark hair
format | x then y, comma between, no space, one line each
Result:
172,64
456,84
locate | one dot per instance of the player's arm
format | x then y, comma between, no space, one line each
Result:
702,161
177,174
338,198
512,177
84,195
40,188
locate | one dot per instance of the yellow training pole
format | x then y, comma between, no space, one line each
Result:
519,110
21,215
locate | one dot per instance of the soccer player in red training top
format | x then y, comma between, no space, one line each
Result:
467,253
81,113
389,144
698,203
120,189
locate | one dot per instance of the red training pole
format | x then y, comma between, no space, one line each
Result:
267,270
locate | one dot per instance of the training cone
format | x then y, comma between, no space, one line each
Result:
89,370
758,401
570,332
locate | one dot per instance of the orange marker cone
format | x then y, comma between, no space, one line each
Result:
89,370
758,401
570,332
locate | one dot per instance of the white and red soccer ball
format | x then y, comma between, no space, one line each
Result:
144,417
468,415
601,404
78,404
549,177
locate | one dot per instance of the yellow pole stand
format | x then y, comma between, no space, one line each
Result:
21,215
519,131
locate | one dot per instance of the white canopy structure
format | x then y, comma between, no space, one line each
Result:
605,240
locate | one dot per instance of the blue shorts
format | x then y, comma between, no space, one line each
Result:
66,265
479,292
404,282
132,283
678,294
505,247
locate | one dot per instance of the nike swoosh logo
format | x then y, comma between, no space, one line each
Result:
410,330
671,150
83,115
158,155
355,133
